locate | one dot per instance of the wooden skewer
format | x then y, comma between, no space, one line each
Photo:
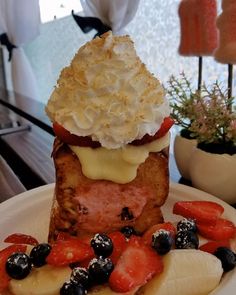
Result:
199,73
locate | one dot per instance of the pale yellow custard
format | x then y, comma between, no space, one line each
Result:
118,165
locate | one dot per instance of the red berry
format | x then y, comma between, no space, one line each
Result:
222,230
19,238
136,265
203,211
119,245
212,246
68,251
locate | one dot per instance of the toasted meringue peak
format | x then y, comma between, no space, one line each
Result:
108,94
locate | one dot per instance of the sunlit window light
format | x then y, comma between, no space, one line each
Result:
55,9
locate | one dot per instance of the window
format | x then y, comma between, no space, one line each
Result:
155,31
54,9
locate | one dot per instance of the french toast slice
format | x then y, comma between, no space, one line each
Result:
84,206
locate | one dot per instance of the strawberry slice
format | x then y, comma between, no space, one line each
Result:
211,246
203,211
64,252
165,127
119,244
18,238
147,237
72,139
136,265
4,254
222,230
63,236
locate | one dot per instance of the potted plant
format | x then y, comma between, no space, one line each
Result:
181,97
211,121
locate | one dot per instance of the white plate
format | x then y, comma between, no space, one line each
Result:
29,213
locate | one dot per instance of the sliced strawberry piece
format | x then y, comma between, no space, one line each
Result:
119,245
203,211
4,254
211,246
63,236
136,265
19,238
72,139
85,263
222,230
147,237
68,251
165,126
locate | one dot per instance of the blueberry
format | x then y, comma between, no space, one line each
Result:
100,269
39,254
227,258
128,231
162,241
69,288
187,224
186,240
80,276
102,245
18,266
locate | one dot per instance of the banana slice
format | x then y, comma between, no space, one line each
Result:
186,272
106,290
46,280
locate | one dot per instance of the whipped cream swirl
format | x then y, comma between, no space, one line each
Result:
108,94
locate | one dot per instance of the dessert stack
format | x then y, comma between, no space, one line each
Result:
111,121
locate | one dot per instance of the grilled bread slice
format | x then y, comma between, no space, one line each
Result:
82,205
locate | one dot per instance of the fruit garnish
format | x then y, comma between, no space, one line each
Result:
18,265
136,265
128,231
212,246
187,224
100,270
72,139
162,241
4,255
39,254
186,240
186,272
165,127
18,238
86,141
147,237
119,244
69,288
80,276
222,230
227,258
102,245
68,251
205,212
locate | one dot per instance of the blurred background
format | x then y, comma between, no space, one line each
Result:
154,28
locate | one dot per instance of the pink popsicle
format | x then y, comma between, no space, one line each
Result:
226,22
199,34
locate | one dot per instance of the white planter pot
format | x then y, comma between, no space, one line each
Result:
215,174
183,149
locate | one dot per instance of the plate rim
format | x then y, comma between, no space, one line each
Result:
42,194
